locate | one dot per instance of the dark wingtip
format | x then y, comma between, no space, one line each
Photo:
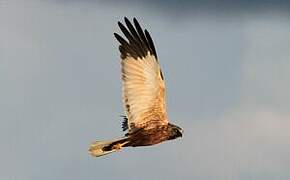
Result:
120,24
115,34
151,43
126,19
138,41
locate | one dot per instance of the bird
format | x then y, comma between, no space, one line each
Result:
145,119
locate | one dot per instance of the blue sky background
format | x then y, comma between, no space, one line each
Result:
227,69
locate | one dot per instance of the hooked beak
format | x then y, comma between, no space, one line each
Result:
181,132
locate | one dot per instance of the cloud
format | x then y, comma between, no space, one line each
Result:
266,64
186,8
238,145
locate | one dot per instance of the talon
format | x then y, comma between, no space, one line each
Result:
117,146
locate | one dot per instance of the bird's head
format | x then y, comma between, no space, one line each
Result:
175,131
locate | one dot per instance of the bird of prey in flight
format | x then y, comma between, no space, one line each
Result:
143,94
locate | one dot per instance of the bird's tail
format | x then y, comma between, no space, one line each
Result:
100,148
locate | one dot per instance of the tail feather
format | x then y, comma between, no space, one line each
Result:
100,148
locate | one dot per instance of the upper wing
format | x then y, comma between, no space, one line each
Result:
143,83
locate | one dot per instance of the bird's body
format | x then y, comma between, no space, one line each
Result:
143,94
150,136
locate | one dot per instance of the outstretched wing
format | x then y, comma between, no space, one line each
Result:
143,83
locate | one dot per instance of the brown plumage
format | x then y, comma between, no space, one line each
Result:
143,94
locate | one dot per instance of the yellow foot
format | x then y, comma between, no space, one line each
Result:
117,146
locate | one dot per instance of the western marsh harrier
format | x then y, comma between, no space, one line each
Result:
143,94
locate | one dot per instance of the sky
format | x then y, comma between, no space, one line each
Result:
226,66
